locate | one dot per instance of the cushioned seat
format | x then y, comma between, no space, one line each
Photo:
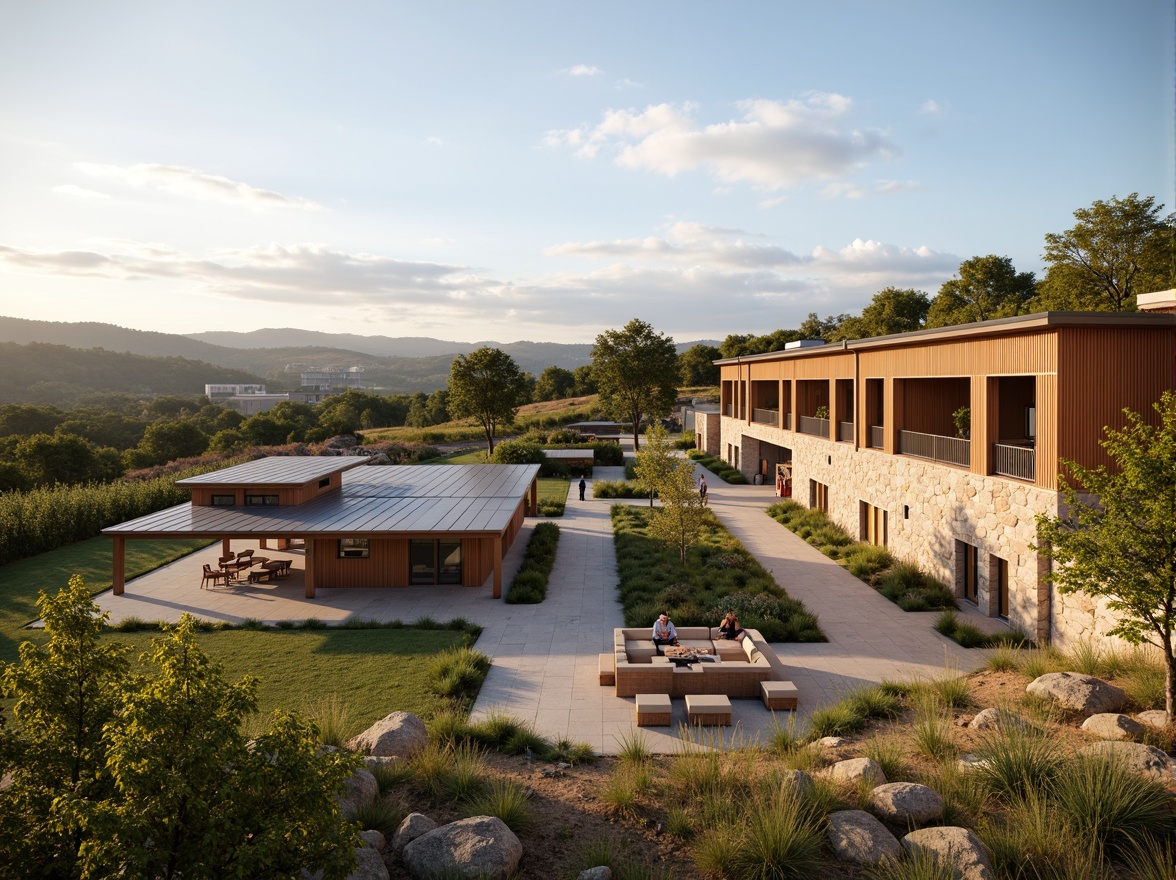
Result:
653,710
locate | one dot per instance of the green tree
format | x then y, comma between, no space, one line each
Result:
49,459
1117,539
697,367
585,383
1117,249
893,310
636,370
437,407
195,800
814,327
654,463
554,383
165,441
678,522
987,287
65,693
489,386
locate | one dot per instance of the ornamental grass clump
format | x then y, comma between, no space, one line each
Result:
504,799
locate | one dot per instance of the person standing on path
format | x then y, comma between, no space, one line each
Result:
583,486
702,489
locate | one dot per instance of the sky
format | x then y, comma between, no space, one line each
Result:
504,171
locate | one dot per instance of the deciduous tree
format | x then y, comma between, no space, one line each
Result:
987,287
554,383
892,310
697,365
654,463
488,385
636,370
678,521
1117,249
1117,539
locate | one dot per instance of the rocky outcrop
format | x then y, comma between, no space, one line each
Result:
958,847
1111,725
480,847
1080,693
412,827
906,803
399,734
1136,757
858,837
856,770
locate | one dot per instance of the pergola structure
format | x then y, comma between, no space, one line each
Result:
362,526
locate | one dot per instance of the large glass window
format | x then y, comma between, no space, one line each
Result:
435,562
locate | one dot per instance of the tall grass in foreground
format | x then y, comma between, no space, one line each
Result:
777,838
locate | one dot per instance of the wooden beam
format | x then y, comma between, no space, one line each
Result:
309,562
498,568
120,564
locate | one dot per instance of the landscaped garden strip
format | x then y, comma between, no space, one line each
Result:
900,582
719,575
530,581
718,467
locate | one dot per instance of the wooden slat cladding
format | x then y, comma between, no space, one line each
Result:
387,566
929,403
1101,372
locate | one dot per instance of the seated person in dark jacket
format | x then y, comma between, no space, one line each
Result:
730,628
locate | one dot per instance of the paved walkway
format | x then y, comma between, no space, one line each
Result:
545,656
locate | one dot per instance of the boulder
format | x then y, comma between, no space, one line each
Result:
412,827
831,742
359,790
796,782
1081,693
601,872
970,762
958,847
399,734
858,837
1112,725
480,847
1136,757
995,719
373,838
856,770
906,803
369,865
1152,718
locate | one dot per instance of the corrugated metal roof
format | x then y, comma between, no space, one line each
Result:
378,501
277,470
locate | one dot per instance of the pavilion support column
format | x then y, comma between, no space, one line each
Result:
309,573
261,544
226,548
535,497
498,568
120,564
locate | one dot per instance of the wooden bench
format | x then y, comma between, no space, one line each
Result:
654,710
608,673
779,694
709,709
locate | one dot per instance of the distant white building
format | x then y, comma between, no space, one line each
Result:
218,392
325,380
249,400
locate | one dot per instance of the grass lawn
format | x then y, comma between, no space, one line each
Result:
20,582
371,671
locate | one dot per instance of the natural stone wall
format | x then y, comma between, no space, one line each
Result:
707,431
930,507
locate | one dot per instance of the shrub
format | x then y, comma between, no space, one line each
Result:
518,452
530,581
617,489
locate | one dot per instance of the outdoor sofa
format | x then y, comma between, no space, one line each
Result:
744,663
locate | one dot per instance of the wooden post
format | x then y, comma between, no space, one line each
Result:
309,573
226,548
120,567
261,544
498,568
535,497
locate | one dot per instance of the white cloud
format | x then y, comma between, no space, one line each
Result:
433,142
846,190
931,107
773,145
583,70
80,192
190,183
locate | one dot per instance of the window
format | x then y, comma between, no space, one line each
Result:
967,570
324,482
818,496
873,524
354,548
999,583
435,562
224,500
1031,422
261,500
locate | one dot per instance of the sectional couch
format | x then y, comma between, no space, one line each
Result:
743,664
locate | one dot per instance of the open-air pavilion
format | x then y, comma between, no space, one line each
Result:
359,525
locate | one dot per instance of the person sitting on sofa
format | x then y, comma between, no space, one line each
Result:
664,633
730,628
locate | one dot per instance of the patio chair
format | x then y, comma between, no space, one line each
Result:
214,576
245,559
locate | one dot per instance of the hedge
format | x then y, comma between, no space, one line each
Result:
530,581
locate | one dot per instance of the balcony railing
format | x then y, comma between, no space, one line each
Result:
765,416
845,432
813,425
952,450
877,437
1011,460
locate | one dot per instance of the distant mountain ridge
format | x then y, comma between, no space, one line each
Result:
400,364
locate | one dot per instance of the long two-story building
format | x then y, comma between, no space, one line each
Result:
944,445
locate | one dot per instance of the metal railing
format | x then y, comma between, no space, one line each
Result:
765,416
1010,460
877,437
813,425
845,432
936,447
